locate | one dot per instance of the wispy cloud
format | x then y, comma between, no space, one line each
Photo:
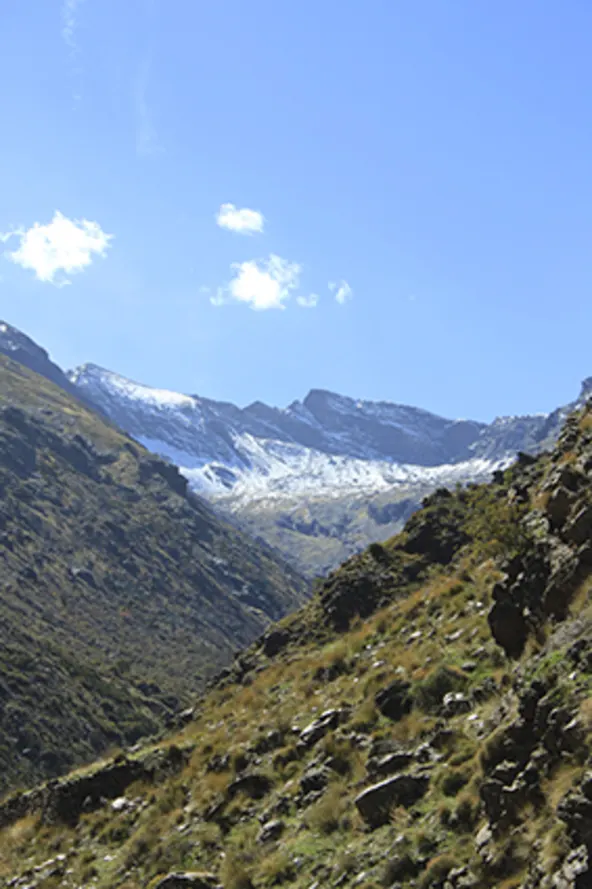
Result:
308,302
58,249
147,142
243,221
260,284
70,23
342,290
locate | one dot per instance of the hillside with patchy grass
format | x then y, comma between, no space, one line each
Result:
425,721
121,593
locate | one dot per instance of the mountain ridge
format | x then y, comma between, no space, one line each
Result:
318,479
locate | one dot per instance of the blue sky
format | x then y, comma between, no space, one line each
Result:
431,160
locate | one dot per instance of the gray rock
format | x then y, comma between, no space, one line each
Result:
454,703
271,830
579,529
574,866
316,730
389,764
314,779
559,506
375,803
395,701
254,785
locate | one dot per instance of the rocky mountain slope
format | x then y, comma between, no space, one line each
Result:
425,721
19,347
121,592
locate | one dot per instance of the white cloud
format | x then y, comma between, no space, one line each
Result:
308,302
261,284
342,290
62,247
243,221
69,23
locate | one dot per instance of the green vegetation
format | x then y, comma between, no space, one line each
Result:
269,784
121,594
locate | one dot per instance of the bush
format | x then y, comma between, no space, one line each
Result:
234,873
428,693
324,816
436,871
276,868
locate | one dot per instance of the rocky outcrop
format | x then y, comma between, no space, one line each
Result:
376,802
64,800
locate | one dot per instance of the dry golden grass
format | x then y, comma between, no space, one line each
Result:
15,840
324,816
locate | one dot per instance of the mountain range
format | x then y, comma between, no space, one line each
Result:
319,479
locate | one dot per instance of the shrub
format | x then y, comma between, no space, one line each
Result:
276,868
324,816
234,874
428,693
436,871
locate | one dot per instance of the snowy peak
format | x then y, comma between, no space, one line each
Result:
91,377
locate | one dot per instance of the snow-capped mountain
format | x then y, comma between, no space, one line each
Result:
320,478
327,445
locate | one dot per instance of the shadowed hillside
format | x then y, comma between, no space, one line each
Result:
121,592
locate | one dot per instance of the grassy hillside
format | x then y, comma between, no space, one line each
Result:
425,721
121,593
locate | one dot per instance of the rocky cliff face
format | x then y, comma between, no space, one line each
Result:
424,722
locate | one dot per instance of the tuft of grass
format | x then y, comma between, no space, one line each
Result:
324,816
234,873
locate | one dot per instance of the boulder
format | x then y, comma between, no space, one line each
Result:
382,766
559,506
326,722
271,831
314,779
376,802
455,703
395,700
254,785
508,627
273,642
579,529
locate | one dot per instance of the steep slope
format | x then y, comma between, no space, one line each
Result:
424,722
112,575
19,347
